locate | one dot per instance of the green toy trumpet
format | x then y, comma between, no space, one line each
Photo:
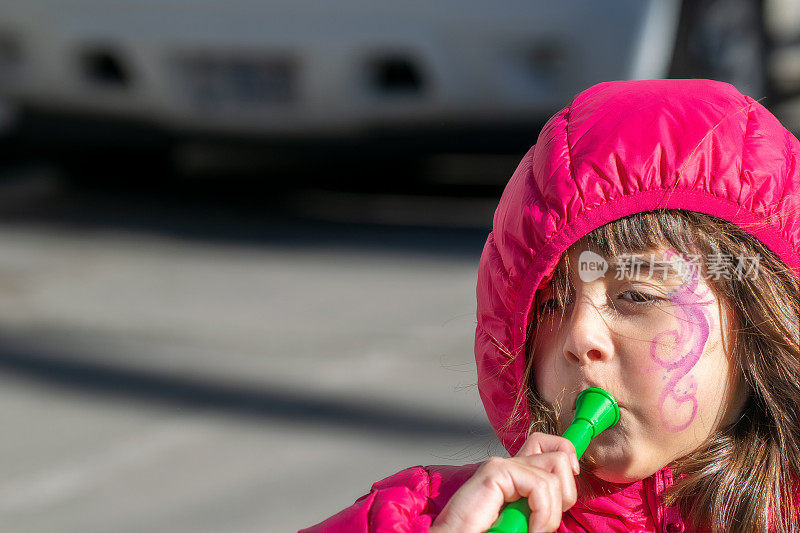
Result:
595,411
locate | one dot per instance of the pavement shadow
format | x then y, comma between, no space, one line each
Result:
267,404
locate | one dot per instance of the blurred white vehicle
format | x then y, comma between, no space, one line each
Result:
350,69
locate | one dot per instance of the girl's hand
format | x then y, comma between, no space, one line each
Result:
542,471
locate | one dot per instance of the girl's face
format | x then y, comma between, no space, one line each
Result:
657,345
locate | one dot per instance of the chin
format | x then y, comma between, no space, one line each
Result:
619,470
612,464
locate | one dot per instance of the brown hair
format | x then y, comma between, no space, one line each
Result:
744,475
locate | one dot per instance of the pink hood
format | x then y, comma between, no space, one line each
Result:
621,148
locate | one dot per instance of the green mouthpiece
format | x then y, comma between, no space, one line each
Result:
595,411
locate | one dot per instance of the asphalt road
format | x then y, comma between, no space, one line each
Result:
192,363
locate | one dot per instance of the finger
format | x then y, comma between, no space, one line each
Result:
538,442
548,509
556,508
540,500
559,464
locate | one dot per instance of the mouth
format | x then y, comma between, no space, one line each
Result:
575,404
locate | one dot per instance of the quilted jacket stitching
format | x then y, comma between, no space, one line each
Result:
569,156
744,144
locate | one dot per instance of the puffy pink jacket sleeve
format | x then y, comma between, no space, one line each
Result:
408,501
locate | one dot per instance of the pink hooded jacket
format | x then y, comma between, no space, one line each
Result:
619,148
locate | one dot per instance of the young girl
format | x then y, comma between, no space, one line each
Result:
648,244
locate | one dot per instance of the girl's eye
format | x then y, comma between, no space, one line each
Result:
550,306
640,298
633,297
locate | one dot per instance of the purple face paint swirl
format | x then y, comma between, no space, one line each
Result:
677,401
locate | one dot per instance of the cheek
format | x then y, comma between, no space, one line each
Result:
544,374
675,372
548,373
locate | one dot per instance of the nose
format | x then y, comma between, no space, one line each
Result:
588,337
